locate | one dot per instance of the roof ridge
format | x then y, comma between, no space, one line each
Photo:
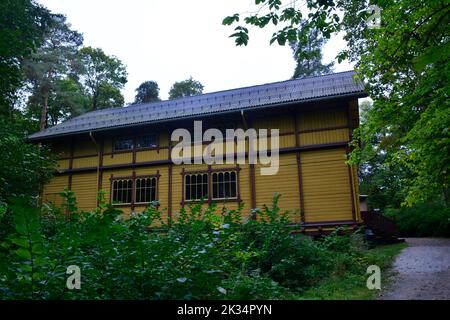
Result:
226,90
257,96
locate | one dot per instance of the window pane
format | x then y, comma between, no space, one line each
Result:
123,144
215,189
147,141
121,191
153,194
224,185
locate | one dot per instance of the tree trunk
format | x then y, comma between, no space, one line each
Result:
43,122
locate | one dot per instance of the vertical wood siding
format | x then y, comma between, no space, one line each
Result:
84,186
325,176
326,186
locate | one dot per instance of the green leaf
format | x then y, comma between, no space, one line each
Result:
22,242
22,253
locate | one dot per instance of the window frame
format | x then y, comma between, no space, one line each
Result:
235,183
155,135
134,143
197,184
114,150
112,191
210,171
133,179
155,178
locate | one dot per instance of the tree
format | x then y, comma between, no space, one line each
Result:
22,24
312,66
185,88
50,63
148,91
404,62
24,167
101,76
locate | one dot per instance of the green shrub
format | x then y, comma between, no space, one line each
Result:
424,220
203,254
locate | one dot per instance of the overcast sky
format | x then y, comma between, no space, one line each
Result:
167,41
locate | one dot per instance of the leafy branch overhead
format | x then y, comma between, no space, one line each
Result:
404,62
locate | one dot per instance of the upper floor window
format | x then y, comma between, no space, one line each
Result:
123,144
147,141
144,141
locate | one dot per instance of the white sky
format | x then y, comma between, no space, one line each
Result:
167,41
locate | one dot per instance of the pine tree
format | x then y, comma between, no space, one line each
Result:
310,65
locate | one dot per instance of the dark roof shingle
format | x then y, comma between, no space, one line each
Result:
296,90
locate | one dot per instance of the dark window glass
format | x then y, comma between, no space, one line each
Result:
224,185
147,141
123,144
145,190
122,190
196,186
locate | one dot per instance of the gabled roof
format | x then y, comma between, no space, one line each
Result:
248,98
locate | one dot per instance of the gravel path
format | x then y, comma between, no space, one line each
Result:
421,271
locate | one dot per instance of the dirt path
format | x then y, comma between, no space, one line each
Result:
421,271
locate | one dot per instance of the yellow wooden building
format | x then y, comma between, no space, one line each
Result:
126,152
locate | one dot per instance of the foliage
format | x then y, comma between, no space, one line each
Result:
404,63
22,24
46,68
22,169
203,254
185,88
147,91
101,76
350,285
313,65
422,220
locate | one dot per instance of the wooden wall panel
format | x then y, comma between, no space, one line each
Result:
282,123
62,164
323,137
119,158
152,155
84,148
51,190
326,186
285,182
319,119
84,185
88,162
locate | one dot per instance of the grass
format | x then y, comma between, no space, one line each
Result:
352,286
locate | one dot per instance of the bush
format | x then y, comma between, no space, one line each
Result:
204,254
424,220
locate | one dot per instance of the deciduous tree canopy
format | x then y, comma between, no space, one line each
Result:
404,62
185,88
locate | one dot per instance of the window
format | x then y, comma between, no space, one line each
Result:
147,141
196,186
123,144
224,185
145,190
122,191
